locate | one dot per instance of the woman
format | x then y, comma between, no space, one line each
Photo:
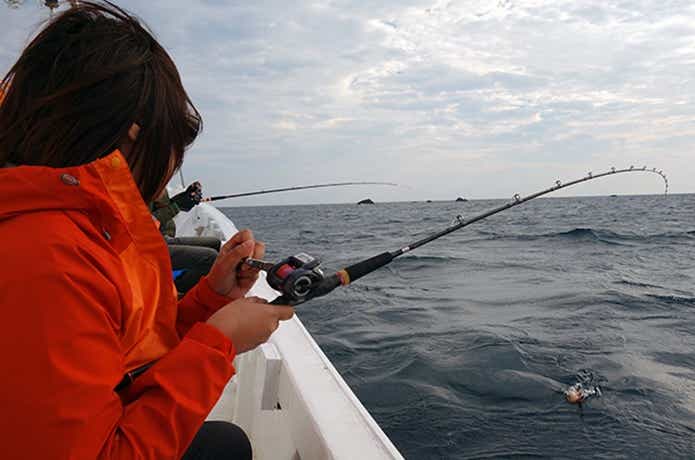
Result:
93,124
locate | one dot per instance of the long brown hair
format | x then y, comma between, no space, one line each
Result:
72,95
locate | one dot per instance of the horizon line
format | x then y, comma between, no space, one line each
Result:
615,195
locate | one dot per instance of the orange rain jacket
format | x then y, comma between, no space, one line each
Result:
86,295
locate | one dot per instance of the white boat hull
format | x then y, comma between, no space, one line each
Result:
286,394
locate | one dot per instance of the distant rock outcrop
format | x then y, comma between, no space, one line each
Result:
428,201
461,200
365,201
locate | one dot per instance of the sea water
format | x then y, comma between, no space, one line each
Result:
463,348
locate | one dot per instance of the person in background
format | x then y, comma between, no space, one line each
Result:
191,257
165,208
99,359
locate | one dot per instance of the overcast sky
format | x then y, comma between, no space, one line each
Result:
476,98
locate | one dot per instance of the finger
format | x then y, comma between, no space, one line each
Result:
231,259
259,250
256,299
248,272
238,238
241,236
247,278
284,312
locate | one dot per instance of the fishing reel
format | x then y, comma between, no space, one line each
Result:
295,278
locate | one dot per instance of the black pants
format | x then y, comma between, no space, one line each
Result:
193,255
217,441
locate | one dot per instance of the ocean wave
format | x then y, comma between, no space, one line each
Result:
599,235
643,302
414,258
674,299
627,282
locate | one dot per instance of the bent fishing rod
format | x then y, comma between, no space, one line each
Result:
299,187
299,278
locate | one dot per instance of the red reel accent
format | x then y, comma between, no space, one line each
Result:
284,271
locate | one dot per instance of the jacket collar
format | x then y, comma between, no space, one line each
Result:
103,189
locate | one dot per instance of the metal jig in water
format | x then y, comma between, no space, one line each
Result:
300,279
577,393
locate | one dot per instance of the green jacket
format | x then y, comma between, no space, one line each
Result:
164,210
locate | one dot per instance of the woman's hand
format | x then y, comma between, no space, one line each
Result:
228,276
248,322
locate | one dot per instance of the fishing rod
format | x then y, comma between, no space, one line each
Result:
299,187
299,278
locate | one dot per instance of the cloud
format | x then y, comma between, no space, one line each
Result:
425,92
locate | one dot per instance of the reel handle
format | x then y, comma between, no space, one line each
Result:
321,289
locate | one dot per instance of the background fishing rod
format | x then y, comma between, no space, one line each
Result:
299,187
299,278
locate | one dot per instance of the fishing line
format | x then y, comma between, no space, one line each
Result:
299,278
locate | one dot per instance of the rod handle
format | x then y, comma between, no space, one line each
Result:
358,270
